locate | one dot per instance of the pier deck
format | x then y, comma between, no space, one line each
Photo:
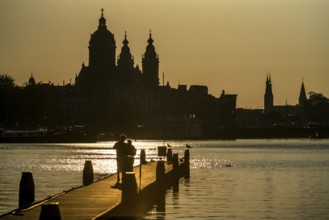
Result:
88,202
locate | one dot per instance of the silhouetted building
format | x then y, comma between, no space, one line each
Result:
283,115
302,96
116,95
268,97
227,109
150,64
98,78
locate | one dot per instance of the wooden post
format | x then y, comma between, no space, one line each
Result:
26,189
169,156
187,164
129,189
176,170
128,164
175,162
50,211
143,157
88,173
160,171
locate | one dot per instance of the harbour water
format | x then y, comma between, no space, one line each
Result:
241,179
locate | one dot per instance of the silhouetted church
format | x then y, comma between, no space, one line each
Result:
283,115
104,77
268,97
269,101
116,94
274,115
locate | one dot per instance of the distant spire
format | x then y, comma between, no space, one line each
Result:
102,10
302,95
125,41
150,40
32,80
102,20
268,97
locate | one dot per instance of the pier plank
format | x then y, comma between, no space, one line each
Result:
87,202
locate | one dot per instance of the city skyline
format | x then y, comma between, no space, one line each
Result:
223,45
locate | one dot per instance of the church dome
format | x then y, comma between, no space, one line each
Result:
102,36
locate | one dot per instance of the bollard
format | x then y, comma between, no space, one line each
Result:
88,173
128,164
129,189
50,211
187,164
143,157
26,189
169,156
177,174
175,162
162,151
160,171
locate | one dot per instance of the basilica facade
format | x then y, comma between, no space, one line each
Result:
106,76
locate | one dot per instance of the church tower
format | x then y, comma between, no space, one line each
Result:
150,65
268,97
102,51
302,96
125,66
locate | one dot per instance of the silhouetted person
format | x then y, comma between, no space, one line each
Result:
120,148
131,152
131,148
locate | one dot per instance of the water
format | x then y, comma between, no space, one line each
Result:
243,179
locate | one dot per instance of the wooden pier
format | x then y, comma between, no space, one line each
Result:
101,199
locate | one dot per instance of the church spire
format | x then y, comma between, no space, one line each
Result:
268,97
102,20
302,95
150,40
125,41
150,65
125,59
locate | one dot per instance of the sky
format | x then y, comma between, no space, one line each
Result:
226,45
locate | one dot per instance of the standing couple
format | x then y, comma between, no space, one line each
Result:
125,156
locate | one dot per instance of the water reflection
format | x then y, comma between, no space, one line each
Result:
278,179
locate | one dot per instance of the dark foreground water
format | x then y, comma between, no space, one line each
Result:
242,179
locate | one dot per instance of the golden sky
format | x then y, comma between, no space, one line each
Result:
225,44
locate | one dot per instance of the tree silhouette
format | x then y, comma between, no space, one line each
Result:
7,82
317,108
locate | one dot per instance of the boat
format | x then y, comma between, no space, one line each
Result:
46,136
